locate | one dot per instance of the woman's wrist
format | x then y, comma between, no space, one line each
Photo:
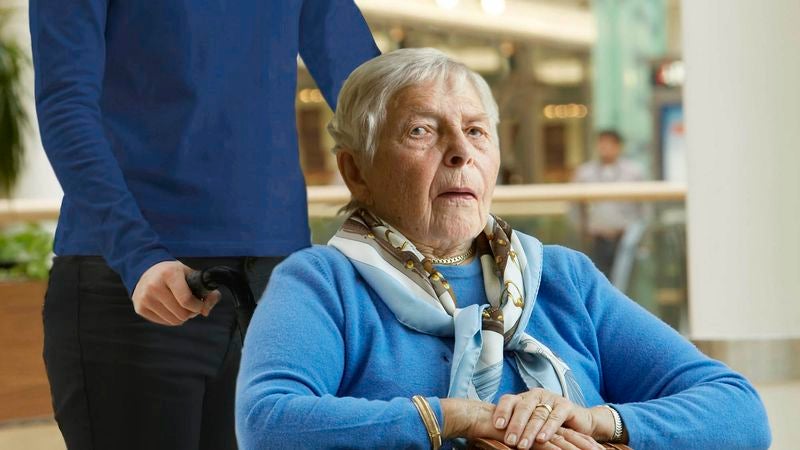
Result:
467,419
603,421
430,421
606,422
453,423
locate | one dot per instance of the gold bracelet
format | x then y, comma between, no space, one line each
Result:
429,420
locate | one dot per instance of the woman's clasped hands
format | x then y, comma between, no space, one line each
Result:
537,419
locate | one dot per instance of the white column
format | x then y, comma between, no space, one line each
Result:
742,102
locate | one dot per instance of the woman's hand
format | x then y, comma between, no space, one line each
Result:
526,420
468,419
472,419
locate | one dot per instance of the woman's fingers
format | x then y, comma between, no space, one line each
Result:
561,442
504,409
543,410
545,446
538,418
528,409
579,440
562,410
532,419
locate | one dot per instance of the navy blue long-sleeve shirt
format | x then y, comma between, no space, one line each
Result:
170,124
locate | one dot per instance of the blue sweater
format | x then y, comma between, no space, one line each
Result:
170,124
327,365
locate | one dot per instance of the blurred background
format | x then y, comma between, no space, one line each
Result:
702,100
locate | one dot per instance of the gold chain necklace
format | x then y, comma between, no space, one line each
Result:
453,259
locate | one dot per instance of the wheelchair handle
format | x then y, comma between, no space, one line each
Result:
203,282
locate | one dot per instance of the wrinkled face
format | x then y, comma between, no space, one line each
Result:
435,165
608,149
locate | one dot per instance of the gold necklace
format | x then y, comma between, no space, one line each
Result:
453,259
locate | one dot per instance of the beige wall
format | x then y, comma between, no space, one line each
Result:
781,400
37,179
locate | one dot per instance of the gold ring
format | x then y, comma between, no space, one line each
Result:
548,407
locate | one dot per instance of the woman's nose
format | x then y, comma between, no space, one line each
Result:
459,151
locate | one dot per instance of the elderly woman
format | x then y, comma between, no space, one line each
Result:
427,321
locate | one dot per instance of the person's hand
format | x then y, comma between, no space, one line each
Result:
162,295
468,419
526,422
472,419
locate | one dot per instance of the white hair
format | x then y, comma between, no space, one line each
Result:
361,108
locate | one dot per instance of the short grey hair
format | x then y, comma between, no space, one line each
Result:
361,108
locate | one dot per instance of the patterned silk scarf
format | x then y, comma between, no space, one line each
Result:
421,299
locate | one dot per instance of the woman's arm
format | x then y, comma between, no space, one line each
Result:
292,365
68,42
668,393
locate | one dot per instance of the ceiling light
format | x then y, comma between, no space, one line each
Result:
447,4
493,7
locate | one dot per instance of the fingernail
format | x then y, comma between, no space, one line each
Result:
511,439
523,443
501,422
542,437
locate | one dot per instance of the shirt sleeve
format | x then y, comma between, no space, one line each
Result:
292,366
334,40
68,43
668,393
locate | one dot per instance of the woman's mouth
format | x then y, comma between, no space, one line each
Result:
458,194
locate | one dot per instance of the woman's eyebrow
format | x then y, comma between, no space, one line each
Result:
422,112
428,112
475,117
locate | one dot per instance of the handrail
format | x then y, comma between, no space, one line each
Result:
324,201
573,192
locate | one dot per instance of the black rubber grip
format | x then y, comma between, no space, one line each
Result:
203,282
198,286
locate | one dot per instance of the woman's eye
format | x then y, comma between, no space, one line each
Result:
418,131
475,132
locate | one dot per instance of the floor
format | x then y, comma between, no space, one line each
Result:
31,435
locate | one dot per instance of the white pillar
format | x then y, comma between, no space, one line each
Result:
742,101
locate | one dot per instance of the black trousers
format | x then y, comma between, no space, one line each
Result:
121,382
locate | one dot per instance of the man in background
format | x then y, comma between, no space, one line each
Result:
605,222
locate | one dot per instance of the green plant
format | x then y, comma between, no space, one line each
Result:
26,253
13,117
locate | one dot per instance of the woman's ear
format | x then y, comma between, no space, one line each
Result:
352,174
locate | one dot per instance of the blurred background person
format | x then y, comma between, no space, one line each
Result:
605,222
